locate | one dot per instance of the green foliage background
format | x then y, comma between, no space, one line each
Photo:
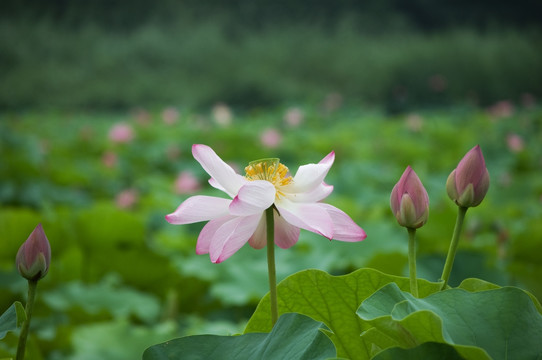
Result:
125,276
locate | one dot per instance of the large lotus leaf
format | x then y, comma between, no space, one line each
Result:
334,301
428,350
294,337
12,318
501,323
473,285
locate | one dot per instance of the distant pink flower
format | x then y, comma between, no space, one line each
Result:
121,133
501,109
186,183
515,143
109,159
437,83
142,117
528,100
267,183
126,198
170,115
222,114
332,102
271,138
414,122
293,117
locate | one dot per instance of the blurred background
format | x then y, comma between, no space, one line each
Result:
101,101
117,54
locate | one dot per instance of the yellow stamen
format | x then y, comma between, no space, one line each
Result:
271,170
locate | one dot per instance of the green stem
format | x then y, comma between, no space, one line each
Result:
412,261
271,265
32,284
453,246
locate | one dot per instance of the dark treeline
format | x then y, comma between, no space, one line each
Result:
117,54
369,15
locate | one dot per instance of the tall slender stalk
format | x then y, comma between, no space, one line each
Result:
453,246
271,264
32,285
412,261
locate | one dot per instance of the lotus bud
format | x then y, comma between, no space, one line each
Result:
467,185
409,201
34,256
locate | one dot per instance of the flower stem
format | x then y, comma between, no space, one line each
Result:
412,261
453,246
271,264
32,284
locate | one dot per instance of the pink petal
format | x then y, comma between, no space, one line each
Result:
286,235
310,176
328,159
221,172
308,216
319,193
258,240
199,208
231,236
344,228
253,197
208,232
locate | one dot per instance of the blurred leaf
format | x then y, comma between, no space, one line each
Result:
16,224
334,301
108,295
294,337
500,324
12,318
117,340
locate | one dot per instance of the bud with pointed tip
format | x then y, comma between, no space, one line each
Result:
467,185
34,256
409,201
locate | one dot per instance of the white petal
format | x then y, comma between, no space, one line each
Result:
253,198
308,216
286,234
216,185
231,236
208,232
221,172
344,228
319,193
199,208
258,240
310,176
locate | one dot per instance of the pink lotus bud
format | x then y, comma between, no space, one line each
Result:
467,185
34,256
409,201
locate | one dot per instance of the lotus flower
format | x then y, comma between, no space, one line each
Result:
267,183
409,201
34,255
467,185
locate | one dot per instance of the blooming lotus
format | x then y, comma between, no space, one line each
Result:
295,201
